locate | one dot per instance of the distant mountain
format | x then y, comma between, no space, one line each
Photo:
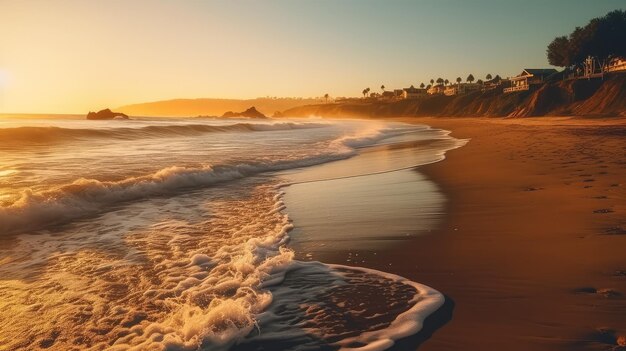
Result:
211,107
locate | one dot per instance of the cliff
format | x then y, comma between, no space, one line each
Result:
562,98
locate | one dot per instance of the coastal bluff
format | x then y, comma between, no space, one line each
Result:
581,97
252,112
106,114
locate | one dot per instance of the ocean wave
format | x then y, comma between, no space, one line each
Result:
44,135
85,197
248,292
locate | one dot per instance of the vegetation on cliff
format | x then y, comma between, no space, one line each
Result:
602,38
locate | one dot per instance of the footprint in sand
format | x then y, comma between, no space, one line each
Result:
615,231
608,293
610,337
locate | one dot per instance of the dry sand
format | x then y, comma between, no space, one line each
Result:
532,252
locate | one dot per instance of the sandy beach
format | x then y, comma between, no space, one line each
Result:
529,250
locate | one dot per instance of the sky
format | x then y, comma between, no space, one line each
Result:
73,56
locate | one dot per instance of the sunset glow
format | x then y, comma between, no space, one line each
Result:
312,175
73,56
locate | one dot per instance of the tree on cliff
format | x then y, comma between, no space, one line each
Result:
432,81
602,38
488,77
382,87
439,81
422,85
470,78
458,80
445,82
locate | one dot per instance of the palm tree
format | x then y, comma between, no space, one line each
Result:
326,97
497,78
364,92
470,78
488,77
439,81
432,81
422,85
382,87
458,80
445,82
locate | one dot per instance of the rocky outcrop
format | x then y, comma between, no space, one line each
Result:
581,97
249,113
106,114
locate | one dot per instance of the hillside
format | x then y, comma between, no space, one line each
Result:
563,98
211,107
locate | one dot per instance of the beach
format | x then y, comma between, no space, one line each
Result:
529,249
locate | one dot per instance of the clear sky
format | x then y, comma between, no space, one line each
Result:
74,56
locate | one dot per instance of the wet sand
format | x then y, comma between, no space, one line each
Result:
531,251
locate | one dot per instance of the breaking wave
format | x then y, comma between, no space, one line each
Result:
43,135
84,197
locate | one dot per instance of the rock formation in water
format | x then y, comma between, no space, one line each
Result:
106,114
252,112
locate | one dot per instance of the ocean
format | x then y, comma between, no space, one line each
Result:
174,234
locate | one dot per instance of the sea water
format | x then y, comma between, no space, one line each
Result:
172,234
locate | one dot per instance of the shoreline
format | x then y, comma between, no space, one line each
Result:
530,247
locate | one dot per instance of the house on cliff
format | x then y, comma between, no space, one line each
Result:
436,89
412,92
388,95
528,78
616,64
460,88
